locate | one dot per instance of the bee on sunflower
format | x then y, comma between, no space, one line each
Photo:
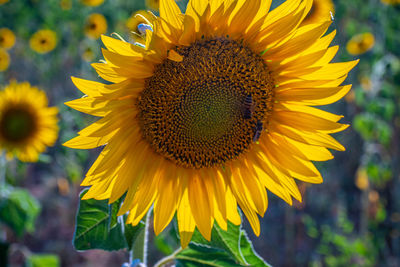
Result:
27,124
217,106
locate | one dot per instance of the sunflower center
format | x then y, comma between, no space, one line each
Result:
17,124
208,108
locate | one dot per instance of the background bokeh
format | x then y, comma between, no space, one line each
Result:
352,219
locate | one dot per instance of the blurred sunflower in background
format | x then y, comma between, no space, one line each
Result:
391,2
321,10
360,43
7,38
215,109
92,2
66,4
96,25
4,60
27,124
3,1
43,41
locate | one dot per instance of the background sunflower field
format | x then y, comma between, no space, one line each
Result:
352,219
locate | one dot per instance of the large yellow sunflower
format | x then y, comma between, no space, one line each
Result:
27,124
216,108
321,10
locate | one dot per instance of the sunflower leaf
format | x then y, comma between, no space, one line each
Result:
92,227
251,256
18,209
133,232
227,240
202,256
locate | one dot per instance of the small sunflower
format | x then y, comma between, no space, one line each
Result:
4,60
92,2
321,10
391,2
66,4
214,109
360,43
88,54
96,25
7,38
43,41
3,1
27,124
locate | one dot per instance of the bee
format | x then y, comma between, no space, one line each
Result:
257,131
248,107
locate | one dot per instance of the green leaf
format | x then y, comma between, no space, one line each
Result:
43,260
202,256
132,233
18,209
92,227
247,249
226,240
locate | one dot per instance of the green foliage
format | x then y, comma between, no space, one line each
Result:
341,246
98,227
43,260
18,209
226,248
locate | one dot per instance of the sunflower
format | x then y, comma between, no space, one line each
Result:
65,4
4,60
96,25
360,43
7,38
92,2
216,108
391,2
27,124
321,10
43,41
3,1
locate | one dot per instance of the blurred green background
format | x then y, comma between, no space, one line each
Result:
352,219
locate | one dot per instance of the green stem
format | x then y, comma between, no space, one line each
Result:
3,162
139,248
168,259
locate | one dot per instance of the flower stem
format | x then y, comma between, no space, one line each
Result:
3,162
168,259
139,248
